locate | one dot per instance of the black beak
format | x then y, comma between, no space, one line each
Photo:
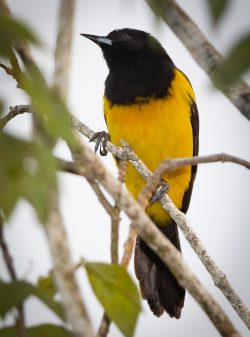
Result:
98,39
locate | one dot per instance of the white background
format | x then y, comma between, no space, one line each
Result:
219,211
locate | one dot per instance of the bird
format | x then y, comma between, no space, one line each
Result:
149,103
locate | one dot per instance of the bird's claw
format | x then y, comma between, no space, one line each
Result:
101,136
160,192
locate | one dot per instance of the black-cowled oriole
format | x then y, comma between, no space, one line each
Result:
150,103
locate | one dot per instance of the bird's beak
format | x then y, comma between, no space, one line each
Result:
98,39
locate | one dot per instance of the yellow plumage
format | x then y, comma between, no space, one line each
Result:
156,129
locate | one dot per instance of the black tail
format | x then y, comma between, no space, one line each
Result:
158,285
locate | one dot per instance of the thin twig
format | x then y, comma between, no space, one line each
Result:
172,164
20,322
202,51
7,69
101,197
129,246
63,47
14,111
115,218
103,329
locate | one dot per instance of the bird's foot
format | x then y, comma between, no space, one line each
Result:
162,189
101,136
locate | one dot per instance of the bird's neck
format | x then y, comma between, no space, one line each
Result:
132,80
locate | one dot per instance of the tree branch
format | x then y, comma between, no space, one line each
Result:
92,165
202,51
14,111
63,47
63,272
126,153
217,275
20,322
75,310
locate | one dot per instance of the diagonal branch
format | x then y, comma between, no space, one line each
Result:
217,275
85,158
202,50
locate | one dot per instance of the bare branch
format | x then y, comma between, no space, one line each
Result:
126,153
75,310
14,111
7,69
202,51
63,47
63,272
101,197
20,322
103,329
172,164
218,276
155,239
129,246
115,218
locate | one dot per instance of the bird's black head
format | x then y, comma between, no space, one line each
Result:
139,65
124,44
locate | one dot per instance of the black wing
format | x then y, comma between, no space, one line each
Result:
195,128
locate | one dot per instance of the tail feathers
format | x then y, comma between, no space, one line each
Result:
158,285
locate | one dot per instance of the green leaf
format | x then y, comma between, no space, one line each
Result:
236,64
27,171
158,7
43,330
46,283
14,293
217,9
12,33
49,107
117,293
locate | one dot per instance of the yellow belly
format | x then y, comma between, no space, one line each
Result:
156,130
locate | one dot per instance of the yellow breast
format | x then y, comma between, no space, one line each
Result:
156,129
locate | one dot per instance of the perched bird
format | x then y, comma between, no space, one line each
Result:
150,103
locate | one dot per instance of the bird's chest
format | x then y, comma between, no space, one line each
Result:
157,129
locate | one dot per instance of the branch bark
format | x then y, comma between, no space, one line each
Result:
20,322
92,165
202,51
74,307
126,153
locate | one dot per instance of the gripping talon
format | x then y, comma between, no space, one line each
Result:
103,137
160,192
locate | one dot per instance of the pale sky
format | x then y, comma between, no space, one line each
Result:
219,211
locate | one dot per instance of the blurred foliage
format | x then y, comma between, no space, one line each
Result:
27,171
217,9
46,283
48,106
44,330
117,293
236,64
13,33
14,293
